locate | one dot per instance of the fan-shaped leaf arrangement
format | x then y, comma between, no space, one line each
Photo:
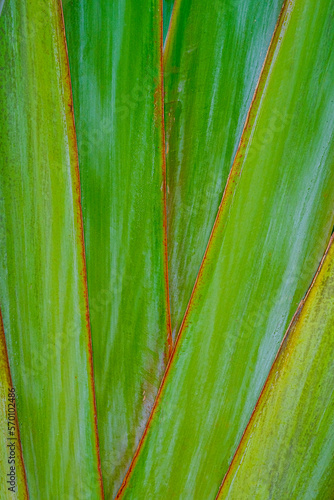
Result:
166,260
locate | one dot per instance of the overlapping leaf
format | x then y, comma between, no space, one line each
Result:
115,53
288,448
213,59
42,272
273,226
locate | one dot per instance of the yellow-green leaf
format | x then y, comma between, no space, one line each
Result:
43,291
287,450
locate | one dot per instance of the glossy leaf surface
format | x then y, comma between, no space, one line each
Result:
10,449
42,275
288,448
273,226
115,59
213,58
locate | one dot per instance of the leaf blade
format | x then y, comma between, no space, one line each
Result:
119,118
213,60
262,249
42,285
293,419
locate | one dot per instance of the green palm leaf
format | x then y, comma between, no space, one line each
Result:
273,226
115,54
231,208
42,278
288,448
213,59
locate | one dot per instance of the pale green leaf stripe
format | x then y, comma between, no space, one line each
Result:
288,448
13,484
115,60
213,58
42,271
273,227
